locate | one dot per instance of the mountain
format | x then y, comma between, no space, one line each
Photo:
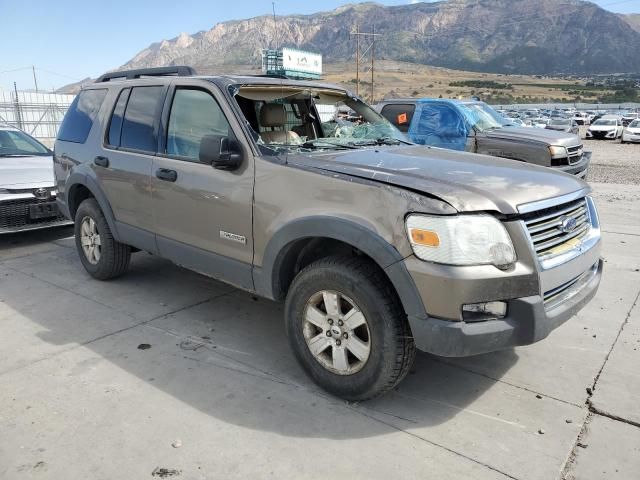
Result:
503,36
633,19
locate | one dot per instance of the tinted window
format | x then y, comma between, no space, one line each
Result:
115,126
137,126
15,142
194,114
399,115
79,119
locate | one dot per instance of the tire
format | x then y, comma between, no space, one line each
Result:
361,288
109,258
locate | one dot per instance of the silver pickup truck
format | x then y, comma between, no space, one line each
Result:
474,126
376,246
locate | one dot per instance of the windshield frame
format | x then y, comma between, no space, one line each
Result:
372,118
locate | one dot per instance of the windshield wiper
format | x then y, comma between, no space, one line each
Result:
14,155
381,141
325,144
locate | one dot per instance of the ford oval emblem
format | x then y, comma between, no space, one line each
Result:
568,224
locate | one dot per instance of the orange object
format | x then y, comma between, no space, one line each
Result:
425,238
402,118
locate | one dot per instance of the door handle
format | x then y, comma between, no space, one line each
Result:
167,175
101,161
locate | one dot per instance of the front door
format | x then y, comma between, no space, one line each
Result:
202,216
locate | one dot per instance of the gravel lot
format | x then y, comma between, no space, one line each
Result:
613,162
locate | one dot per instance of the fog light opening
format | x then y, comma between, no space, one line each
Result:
479,312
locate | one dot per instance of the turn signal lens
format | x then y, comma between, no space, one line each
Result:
426,238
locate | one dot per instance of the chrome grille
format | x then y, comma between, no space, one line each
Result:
575,154
549,228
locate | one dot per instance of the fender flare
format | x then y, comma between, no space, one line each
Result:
76,179
357,235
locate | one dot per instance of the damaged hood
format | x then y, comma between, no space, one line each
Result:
468,182
543,135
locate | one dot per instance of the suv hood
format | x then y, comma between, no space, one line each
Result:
549,137
466,181
27,171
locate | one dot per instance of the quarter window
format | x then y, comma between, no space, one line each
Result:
399,115
143,108
79,119
194,114
115,126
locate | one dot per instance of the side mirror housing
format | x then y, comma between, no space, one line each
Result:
220,152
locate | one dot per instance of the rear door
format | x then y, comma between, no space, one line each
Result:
125,165
202,216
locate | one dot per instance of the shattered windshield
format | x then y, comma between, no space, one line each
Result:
482,117
299,118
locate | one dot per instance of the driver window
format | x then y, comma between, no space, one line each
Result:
194,114
439,121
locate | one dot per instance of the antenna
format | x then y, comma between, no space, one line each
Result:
275,26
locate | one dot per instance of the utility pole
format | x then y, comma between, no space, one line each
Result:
373,56
35,80
275,26
360,55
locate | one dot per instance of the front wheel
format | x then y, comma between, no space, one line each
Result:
347,328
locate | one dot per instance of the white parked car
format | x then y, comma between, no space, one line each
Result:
608,127
27,189
632,132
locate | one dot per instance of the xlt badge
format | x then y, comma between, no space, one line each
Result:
233,237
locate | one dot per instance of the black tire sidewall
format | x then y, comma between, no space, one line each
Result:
90,208
372,301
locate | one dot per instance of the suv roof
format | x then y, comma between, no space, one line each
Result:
172,72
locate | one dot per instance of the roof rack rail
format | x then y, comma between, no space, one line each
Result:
178,70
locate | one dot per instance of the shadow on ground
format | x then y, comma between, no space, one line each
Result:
216,349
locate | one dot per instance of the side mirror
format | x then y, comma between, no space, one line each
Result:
219,152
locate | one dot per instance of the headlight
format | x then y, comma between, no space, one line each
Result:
460,240
557,151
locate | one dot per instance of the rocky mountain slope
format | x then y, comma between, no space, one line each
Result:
507,36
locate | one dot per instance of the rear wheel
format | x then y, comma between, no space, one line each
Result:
347,328
101,255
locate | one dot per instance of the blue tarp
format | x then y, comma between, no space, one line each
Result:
439,125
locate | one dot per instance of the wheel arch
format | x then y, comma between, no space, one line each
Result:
298,243
79,188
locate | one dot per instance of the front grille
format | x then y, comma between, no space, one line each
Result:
15,213
599,134
549,230
575,154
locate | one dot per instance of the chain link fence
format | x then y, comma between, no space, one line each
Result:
38,114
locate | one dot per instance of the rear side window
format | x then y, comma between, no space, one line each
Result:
142,110
399,115
79,119
115,125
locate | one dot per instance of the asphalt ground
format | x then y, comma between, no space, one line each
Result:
164,373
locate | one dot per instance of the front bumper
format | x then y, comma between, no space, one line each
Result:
631,137
601,134
540,296
527,322
16,215
579,168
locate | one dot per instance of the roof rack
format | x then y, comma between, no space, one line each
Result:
178,70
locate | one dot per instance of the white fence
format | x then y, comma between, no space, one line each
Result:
38,114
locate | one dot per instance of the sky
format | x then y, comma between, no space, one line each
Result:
69,40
